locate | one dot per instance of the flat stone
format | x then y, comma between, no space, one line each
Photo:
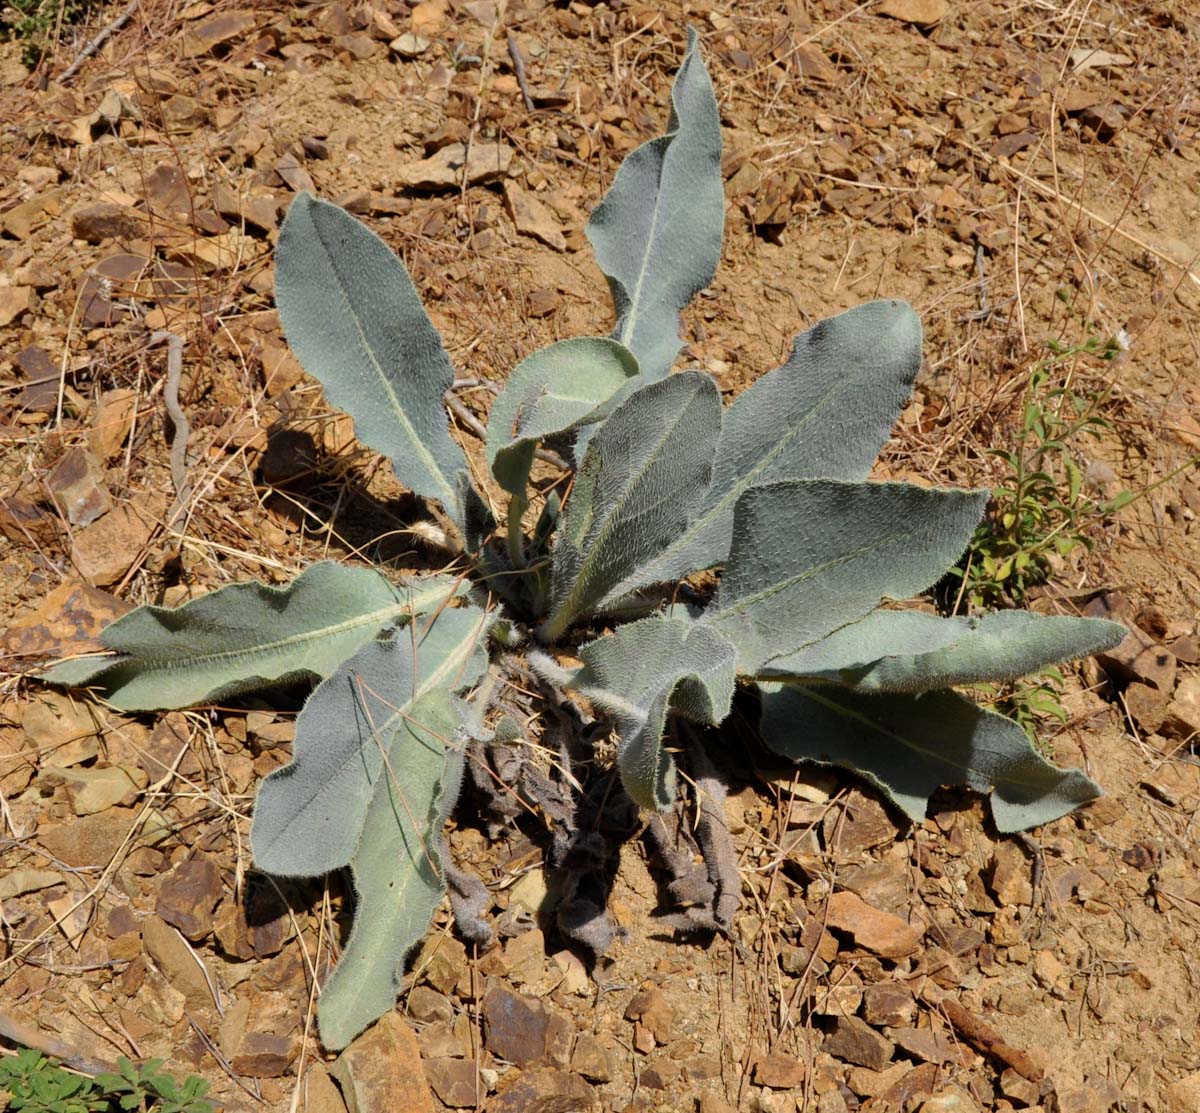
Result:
218,31
545,1091
455,1081
90,840
853,1041
1183,1095
1138,657
447,167
871,1083
265,1054
380,1072
590,1059
178,963
533,217
441,962
105,221
321,1095
1010,877
778,1071
15,300
953,1099
651,1007
426,1005
888,1005
68,620
439,1041
61,728
1182,719
97,790
924,13
112,422
918,1083
15,883
1147,706
188,895
104,551
1018,1088
881,933
863,823
77,487
523,1030
925,1044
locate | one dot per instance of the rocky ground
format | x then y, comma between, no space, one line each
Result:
1021,173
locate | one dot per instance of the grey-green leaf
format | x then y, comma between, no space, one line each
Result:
810,555
564,385
909,651
657,233
398,874
354,320
641,476
824,414
247,636
641,671
910,744
309,814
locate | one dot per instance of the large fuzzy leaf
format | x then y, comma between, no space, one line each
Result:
640,478
910,744
398,876
309,814
353,317
810,555
567,384
640,672
908,651
246,636
824,414
657,233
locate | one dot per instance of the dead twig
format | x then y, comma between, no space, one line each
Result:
178,418
985,1039
106,32
518,61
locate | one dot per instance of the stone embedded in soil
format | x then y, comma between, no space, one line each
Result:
533,218
455,1081
321,1095
778,1071
1138,657
655,1013
105,221
1183,1095
590,1059
1182,720
924,13
16,883
112,422
1018,1088
953,1099
867,1083
441,962
853,1041
69,619
265,1054
545,1091
881,933
15,300
925,1044
97,790
380,1072
1010,878
1147,706
104,551
216,32
438,1041
177,962
61,728
1079,1099
90,840
188,895
888,1005
918,1083
445,168
523,1030
427,1005
861,824
77,487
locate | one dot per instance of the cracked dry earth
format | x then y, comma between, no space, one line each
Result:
1019,172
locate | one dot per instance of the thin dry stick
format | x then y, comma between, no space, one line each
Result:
518,61
179,420
105,33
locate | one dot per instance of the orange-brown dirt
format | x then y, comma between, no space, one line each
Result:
1022,172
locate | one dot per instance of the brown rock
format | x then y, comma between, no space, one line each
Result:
105,221
321,1095
545,1091
1182,720
292,171
1183,1095
90,840
447,167
1147,706
438,1041
1186,649
879,932
853,1041
61,728
652,1009
1083,1099
68,620
1017,1088
219,31
98,789
1139,658
779,1072
112,422
178,963
952,1099
442,961
590,1058
1010,877
380,1072
533,218
863,824
77,487
455,1081
104,551
924,13
15,300
925,1044
523,1030
888,1005
265,1054
915,1085
427,1005
188,895
183,114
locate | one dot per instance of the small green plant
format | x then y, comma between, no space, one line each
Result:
772,491
1041,510
36,1084
36,23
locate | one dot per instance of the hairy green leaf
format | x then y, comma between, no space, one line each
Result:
640,477
246,636
824,414
354,320
909,651
911,744
657,233
810,555
309,815
398,874
567,384
644,669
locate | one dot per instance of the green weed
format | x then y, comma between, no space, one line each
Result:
37,23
